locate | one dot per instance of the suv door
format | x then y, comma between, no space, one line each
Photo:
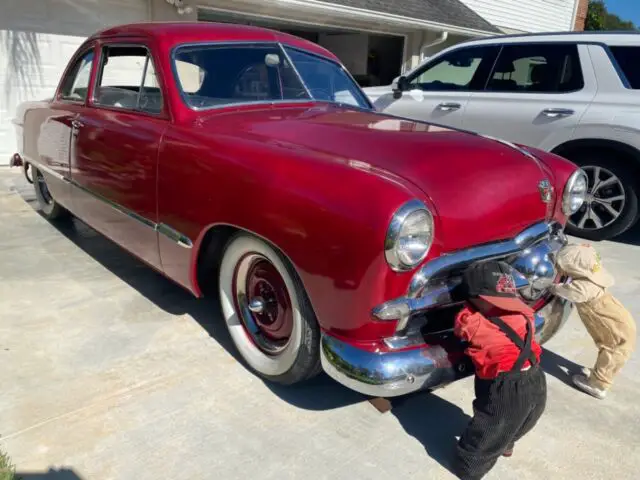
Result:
535,95
116,138
439,91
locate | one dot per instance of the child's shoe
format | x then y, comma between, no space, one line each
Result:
582,382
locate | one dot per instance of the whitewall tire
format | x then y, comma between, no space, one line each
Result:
267,312
50,209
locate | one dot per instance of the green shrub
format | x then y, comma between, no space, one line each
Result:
7,469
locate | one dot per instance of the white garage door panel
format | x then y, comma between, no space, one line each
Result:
37,39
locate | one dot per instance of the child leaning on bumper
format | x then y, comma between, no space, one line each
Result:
510,386
608,322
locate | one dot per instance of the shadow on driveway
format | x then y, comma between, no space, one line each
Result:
52,474
630,237
558,366
320,393
432,421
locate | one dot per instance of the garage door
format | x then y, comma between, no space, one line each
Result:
37,39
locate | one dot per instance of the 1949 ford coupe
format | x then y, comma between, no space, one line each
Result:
248,163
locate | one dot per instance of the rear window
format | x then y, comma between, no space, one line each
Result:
628,60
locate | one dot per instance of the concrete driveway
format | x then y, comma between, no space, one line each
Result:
110,371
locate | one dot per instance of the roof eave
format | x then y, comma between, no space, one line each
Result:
395,19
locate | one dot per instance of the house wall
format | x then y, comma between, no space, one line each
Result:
527,15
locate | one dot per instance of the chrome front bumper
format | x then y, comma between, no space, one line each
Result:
408,363
396,373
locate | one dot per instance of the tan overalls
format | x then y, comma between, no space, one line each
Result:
608,322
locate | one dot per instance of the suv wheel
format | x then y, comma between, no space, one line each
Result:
611,206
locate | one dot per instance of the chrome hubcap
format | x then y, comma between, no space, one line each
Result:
604,202
263,303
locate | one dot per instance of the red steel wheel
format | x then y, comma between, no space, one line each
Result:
267,312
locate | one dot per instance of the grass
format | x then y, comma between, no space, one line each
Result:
7,469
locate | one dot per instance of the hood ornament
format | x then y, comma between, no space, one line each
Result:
546,191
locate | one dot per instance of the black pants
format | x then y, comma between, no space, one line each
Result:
505,409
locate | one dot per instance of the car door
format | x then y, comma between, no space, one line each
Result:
439,91
49,137
535,96
116,139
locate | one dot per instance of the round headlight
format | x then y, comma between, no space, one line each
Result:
409,236
575,192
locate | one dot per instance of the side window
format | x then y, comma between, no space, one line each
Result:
76,83
465,69
537,68
127,79
627,58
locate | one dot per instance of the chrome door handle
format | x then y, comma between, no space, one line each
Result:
557,112
448,106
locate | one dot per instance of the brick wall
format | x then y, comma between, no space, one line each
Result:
581,14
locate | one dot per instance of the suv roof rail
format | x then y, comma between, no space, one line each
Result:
552,34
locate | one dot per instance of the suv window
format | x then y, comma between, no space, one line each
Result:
464,69
76,83
127,79
627,58
541,68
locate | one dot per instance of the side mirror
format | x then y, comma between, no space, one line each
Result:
399,85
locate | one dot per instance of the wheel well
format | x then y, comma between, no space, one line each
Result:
210,255
573,148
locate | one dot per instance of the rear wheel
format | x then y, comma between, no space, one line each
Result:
267,312
611,206
48,206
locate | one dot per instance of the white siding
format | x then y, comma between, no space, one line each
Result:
526,15
37,39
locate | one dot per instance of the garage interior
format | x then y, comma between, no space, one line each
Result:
372,58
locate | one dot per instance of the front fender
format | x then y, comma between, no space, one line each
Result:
329,216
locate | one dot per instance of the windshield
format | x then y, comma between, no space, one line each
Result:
211,76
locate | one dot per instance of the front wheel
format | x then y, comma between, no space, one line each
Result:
51,209
266,310
611,206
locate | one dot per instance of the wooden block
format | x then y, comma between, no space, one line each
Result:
383,405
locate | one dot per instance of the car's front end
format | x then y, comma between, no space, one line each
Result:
423,353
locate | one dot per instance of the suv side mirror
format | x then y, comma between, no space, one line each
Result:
399,85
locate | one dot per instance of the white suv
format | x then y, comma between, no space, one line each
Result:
574,94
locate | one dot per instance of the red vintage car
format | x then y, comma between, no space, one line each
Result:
248,163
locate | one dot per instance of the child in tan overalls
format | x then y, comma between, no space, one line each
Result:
610,325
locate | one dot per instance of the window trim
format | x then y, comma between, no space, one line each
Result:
281,46
616,65
365,97
98,77
520,44
437,59
80,54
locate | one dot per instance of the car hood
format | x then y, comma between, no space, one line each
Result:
482,189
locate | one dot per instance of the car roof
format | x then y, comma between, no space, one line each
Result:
175,33
607,37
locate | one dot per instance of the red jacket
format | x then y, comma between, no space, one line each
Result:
489,348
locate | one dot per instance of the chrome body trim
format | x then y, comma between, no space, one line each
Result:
161,228
396,373
393,233
174,235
